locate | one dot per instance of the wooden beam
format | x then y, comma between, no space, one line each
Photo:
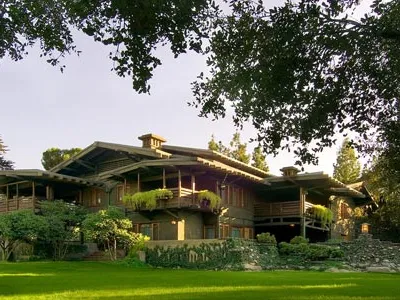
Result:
171,176
33,196
138,182
193,184
179,188
86,164
164,182
7,195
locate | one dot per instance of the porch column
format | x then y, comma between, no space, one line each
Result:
302,197
33,196
138,182
193,183
7,195
179,188
17,195
164,181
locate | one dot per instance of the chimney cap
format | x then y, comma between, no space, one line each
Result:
152,136
289,171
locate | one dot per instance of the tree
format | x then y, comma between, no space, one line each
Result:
219,147
54,156
347,168
133,28
4,164
18,227
304,71
239,149
110,228
258,159
63,222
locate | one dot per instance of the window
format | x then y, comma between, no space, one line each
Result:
209,232
236,232
97,197
120,194
149,229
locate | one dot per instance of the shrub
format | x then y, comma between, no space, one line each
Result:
299,240
310,251
267,238
138,245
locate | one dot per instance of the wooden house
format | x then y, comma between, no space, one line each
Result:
252,200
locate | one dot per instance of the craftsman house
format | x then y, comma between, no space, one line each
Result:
252,201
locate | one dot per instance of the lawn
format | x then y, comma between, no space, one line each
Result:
80,280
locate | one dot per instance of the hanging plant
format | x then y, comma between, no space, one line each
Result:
147,199
322,213
212,199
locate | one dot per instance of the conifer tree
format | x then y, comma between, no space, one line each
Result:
258,159
347,168
4,164
238,149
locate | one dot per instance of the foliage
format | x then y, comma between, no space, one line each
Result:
239,149
147,199
18,227
258,159
267,238
64,221
138,245
54,156
4,164
230,254
298,240
111,229
322,213
213,200
305,70
310,251
347,168
133,30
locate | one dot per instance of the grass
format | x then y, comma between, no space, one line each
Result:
97,280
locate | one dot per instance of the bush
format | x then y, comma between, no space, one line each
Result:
267,238
299,240
310,251
139,245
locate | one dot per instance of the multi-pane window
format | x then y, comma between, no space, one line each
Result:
120,194
97,197
149,229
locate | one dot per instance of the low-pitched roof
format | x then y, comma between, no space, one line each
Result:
317,181
147,152
10,176
215,156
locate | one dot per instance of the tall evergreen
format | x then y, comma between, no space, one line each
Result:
258,159
239,149
4,163
347,168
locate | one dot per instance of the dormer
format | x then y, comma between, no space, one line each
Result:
152,141
289,171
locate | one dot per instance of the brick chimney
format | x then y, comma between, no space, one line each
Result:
289,171
151,140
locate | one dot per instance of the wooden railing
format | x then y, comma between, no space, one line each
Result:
278,209
13,204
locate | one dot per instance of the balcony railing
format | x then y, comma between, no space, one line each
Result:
19,203
279,209
182,198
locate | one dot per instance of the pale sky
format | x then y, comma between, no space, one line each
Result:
42,107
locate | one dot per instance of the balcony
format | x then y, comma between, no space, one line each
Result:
182,198
19,203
